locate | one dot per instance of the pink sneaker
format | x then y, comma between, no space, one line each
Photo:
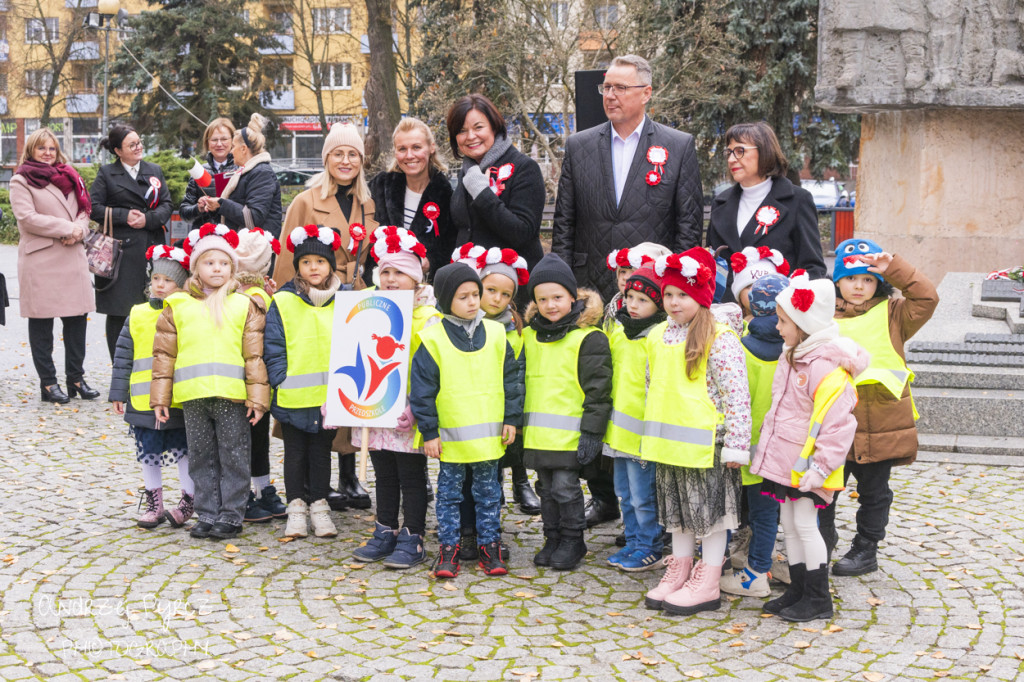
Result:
699,593
183,512
677,570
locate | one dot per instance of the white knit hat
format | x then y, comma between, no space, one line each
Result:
342,134
255,249
752,263
811,304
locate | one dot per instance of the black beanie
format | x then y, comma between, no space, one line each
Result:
551,268
447,281
314,247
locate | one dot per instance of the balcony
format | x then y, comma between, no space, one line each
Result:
286,45
84,50
3,105
5,51
5,5
283,100
74,4
82,103
364,43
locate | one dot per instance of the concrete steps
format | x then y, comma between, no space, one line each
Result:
970,411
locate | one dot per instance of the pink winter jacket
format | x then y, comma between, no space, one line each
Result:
786,425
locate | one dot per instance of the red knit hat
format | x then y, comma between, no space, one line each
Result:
693,271
646,281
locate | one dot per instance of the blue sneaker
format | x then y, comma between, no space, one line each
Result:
408,552
381,545
271,501
616,559
255,512
641,560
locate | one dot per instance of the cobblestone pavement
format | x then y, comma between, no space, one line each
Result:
85,594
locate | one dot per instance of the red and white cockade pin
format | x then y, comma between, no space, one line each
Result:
392,239
432,212
627,258
219,230
658,156
158,251
501,174
321,233
803,296
275,245
766,216
356,234
509,257
696,273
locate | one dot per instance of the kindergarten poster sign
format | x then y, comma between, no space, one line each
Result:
369,357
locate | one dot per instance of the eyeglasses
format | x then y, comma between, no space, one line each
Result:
737,151
135,146
606,89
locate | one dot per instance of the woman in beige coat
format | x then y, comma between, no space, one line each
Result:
51,204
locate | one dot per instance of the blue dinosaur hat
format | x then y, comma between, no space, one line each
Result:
847,261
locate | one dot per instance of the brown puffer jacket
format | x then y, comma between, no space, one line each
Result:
165,352
885,425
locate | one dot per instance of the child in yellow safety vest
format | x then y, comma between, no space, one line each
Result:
805,436
156,445
256,249
696,428
467,403
297,350
208,356
866,277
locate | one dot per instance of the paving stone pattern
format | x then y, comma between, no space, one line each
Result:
86,595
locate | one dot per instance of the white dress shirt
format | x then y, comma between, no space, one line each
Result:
132,170
623,151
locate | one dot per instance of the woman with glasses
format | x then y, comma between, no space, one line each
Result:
136,194
216,144
764,208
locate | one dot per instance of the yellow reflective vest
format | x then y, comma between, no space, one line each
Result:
261,293
629,361
680,420
554,397
307,336
871,332
420,316
142,327
760,374
471,397
209,362
825,395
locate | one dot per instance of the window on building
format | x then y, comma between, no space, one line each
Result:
282,75
8,139
336,76
85,78
332,20
37,81
606,16
3,28
283,21
42,30
85,140
552,15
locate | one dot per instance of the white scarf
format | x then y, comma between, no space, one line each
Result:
249,165
815,340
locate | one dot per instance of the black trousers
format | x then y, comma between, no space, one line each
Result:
600,476
40,337
259,434
114,324
875,498
307,463
401,478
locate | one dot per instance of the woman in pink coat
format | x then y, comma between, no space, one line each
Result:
51,204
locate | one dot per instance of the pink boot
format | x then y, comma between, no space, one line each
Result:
677,570
183,512
154,514
699,593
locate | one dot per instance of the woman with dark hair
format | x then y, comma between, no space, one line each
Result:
216,144
140,204
500,197
764,208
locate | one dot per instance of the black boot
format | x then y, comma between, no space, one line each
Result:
861,559
831,537
522,492
348,483
53,394
600,511
571,550
83,390
468,549
793,594
543,557
337,501
816,603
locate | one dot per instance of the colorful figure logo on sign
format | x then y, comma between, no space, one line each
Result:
369,373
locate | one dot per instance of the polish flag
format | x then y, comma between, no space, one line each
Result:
200,174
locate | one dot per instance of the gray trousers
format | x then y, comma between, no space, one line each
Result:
561,503
218,462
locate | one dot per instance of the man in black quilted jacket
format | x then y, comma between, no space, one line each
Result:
627,181
624,182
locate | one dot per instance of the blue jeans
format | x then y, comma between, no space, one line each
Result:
486,493
763,517
634,484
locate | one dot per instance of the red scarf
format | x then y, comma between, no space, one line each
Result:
60,175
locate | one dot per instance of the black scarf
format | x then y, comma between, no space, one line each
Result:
552,331
635,328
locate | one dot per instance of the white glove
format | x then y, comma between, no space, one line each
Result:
811,480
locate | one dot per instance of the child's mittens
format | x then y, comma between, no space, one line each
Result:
405,420
811,480
589,448
735,456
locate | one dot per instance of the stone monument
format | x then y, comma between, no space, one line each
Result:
940,86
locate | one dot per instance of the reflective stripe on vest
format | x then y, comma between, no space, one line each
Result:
554,398
680,420
307,337
825,395
209,362
142,327
871,332
471,396
760,374
629,360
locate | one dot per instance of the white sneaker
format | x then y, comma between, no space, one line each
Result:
740,547
320,518
746,582
298,515
780,569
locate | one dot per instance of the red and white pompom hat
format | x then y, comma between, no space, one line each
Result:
316,240
170,252
810,303
397,247
494,261
753,263
168,261
210,237
692,271
637,256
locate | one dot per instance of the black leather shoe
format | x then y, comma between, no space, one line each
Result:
225,531
83,390
598,512
201,530
357,497
522,492
53,394
862,558
337,501
620,539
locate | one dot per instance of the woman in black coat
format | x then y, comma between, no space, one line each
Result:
217,141
415,192
764,208
140,204
500,197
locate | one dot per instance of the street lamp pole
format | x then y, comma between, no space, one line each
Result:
103,20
